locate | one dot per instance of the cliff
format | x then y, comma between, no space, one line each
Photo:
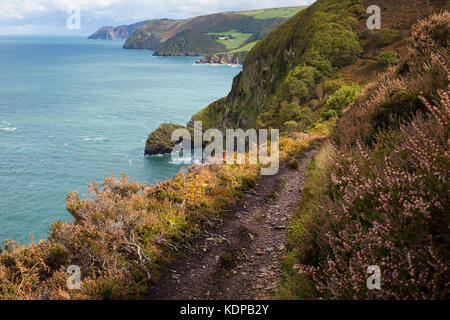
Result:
159,141
116,33
150,35
284,77
224,58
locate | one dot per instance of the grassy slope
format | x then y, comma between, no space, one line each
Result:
246,47
285,12
239,38
190,42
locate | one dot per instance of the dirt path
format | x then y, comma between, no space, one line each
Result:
241,257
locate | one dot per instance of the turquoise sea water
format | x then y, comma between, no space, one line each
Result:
73,111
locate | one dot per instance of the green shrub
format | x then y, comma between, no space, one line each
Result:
338,44
322,65
386,37
290,111
305,118
290,126
57,256
388,59
334,85
342,98
294,88
326,115
306,74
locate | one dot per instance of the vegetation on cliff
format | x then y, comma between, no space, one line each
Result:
189,43
286,66
378,193
122,235
283,70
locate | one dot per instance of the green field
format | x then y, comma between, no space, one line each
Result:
247,47
239,38
285,12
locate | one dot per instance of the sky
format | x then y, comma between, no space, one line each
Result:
50,16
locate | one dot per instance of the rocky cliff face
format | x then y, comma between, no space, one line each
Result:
104,33
159,141
224,58
116,33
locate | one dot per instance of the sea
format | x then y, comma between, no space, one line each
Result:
74,111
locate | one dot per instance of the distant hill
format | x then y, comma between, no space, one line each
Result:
117,33
151,34
190,43
246,28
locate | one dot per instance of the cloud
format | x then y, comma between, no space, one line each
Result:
100,12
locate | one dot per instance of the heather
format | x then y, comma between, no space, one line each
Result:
122,235
377,194
125,233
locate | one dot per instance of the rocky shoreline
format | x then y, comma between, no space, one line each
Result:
224,58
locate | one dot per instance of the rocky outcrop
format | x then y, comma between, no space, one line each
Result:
224,58
159,141
104,33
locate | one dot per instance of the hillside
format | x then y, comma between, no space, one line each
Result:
288,77
151,35
246,28
189,43
117,33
